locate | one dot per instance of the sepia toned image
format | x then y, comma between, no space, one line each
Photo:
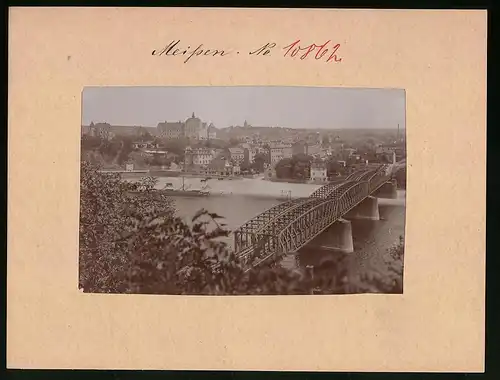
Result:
134,208
242,190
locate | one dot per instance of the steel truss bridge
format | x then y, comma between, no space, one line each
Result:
290,225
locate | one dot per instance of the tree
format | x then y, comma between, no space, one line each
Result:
284,169
107,215
90,142
131,242
297,167
389,279
333,168
301,169
233,141
147,183
245,166
124,151
259,161
113,151
176,146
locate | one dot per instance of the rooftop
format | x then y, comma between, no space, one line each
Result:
318,165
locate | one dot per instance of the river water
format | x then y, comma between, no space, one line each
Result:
241,199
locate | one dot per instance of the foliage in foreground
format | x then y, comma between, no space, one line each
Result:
132,242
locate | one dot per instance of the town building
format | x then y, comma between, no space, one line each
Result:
102,130
212,132
203,132
350,151
145,145
170,130
381,149
287,150
192,127
337,145
279,151
313,138
222,166
314,150
260,150
389,156
198,157
249,153
107,131
237,155
319,172
302,147
275,155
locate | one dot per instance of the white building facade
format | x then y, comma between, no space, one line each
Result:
319,173
199,156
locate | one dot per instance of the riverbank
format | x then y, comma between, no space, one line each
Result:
244,186
286,180
254,187
176,174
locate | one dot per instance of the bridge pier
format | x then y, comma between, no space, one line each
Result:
367,209
337,238
388,190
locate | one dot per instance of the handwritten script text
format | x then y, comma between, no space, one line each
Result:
327,51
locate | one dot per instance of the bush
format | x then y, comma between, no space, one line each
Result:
109,217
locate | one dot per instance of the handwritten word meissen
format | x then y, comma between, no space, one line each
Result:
172,49
327,51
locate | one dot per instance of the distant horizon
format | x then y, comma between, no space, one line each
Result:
259,126
314,108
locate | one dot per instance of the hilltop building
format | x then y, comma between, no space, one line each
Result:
107,131
170,130
193,128
102,130
212,132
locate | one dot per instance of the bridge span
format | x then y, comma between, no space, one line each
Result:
291,225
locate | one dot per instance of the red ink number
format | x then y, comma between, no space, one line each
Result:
320,51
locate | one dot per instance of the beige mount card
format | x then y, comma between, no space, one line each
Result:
69,66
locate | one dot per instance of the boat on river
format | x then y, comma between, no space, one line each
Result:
185,191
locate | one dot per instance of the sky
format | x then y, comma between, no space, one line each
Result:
291,107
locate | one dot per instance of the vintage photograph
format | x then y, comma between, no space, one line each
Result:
242,190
